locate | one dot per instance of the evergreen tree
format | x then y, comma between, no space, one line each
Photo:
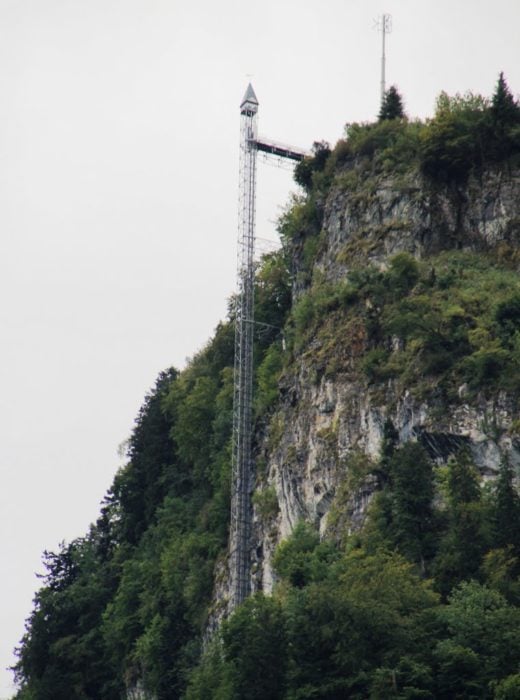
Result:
412,502
507,510
504,122
465,540
388,447
392,105
255,648
505,110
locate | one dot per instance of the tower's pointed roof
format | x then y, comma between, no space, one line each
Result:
249,98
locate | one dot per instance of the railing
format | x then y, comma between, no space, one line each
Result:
282,150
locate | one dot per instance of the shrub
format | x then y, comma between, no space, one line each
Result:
403,272
306,168
266,503
267,376
302,218
453,141
507,317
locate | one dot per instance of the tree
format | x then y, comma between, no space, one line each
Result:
505,110
302,558
453,141
464,542
304,171
359,628
483,642
62,654
388,447
392,105
507,510
255,648
412,521
140,486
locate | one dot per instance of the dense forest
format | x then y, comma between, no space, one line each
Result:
422,601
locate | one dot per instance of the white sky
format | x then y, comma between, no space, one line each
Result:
119,131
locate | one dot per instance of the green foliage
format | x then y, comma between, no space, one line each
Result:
412,518
454,141
63,651
508,688
306,168
211,679
272,299
392,105
391,144
483,642
505,119
363,621
402,516
302,218
138,488
266,502
507,510
247,659
453,317
403,273
268,375
500,572
141,583
467,534
129,603
504,108
315,306
255,648
507,318
301,558
466,133
343,630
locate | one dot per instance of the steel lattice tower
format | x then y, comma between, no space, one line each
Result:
242,459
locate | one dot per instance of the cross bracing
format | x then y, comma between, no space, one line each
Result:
242,450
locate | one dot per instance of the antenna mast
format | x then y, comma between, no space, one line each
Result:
384,24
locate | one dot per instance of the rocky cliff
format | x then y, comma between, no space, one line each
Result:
330,418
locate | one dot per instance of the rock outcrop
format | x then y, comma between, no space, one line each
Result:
323,424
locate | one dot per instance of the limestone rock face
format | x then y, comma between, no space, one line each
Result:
333,423
322,426
327,426
388,215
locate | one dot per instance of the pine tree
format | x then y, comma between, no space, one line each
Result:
461,549
389,445
412,523
505,110
392,105
507,510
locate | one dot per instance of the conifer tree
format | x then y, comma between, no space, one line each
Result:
505,110
464,542
507,510
392,105
388,447
412,521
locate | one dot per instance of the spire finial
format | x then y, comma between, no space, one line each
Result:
250,101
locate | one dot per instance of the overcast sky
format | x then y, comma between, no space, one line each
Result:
119,129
